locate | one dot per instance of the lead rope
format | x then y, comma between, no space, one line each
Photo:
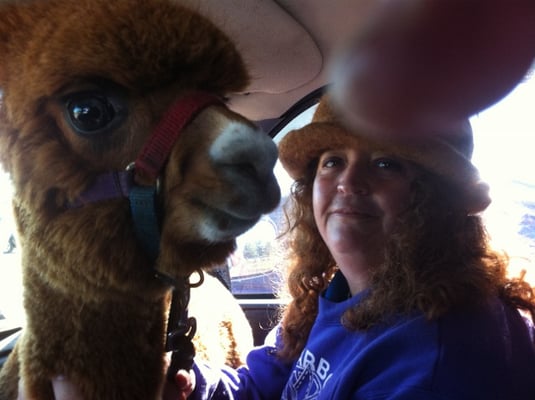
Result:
181,330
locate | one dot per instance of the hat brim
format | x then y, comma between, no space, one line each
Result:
300,147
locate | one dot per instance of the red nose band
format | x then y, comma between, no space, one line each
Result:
156,150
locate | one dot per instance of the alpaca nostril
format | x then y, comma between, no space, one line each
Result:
248,170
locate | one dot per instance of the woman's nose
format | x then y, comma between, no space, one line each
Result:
353,181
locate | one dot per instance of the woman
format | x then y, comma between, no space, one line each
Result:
395,291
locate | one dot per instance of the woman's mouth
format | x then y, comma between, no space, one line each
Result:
364,212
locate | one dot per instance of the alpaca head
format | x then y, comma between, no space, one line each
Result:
82,87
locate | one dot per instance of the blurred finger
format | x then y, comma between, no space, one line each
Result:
21,392
185,381
65,390
183,386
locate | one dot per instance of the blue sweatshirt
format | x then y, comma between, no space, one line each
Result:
483,353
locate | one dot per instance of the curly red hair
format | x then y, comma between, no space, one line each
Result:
438,259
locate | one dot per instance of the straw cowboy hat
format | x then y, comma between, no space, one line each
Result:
447,154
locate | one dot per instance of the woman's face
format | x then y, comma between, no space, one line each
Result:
358,194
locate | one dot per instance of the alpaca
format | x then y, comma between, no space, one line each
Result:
87,87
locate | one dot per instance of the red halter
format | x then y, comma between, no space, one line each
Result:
149,164
153,155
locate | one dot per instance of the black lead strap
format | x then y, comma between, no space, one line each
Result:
180,328
145,212
180,332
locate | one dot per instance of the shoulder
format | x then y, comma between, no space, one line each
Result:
481,352
490,346
490,322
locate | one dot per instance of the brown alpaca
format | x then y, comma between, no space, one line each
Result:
83,86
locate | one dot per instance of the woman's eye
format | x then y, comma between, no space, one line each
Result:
330,162
389,164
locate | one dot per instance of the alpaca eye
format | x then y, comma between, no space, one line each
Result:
91,113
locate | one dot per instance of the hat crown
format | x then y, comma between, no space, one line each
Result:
325,113
458,134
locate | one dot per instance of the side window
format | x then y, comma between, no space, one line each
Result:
257,266
504,136
10,268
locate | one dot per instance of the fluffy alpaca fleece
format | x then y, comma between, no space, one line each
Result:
224,335
83,84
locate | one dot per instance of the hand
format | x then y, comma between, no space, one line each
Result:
65,390
418,64
183,387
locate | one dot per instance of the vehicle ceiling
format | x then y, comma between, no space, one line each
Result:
286,44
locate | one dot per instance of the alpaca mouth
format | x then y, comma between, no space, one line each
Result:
226,223
230,223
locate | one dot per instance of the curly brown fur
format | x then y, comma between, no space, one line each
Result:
439,259
95,311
